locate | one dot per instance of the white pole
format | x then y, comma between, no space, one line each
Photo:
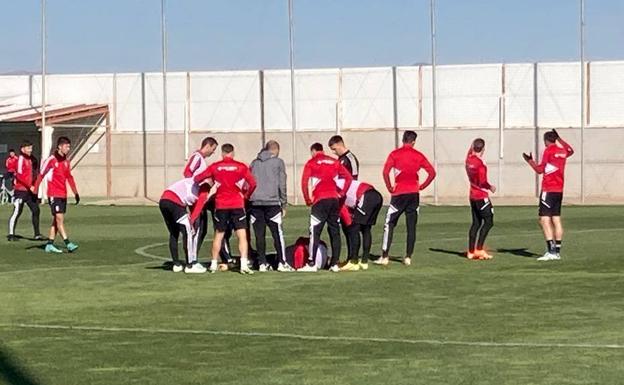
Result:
582,48
434,116
44,145
163,28
293,110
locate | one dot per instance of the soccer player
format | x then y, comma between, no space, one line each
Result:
11,165
324,171
173,204
359,214
552,166
234,183
404,163
268,204
23,181
480,204
57,172
345,156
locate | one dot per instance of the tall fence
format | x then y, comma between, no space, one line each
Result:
509,105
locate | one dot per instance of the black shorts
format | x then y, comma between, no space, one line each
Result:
24,196
482,208
58,205
229,218
550,204
368,208
404,203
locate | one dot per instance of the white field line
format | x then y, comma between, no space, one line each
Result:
486,344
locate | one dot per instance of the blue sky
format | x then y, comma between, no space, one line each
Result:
124,35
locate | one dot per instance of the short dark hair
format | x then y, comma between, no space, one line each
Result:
227,148
62,140
409,136
334,140
11,150
478,145
550,136
316,147
270,144
26,143
209,140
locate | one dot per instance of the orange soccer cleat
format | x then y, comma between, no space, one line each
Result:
482,254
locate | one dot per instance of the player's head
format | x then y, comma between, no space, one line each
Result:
409,137
11,152
316,148
273,147
26,148
63,145
227,150
478,146
208,146
550,137
336,144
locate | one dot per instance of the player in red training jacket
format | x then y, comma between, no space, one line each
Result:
56,170
234,183
22,195
480,204
552,167
404,163
323,173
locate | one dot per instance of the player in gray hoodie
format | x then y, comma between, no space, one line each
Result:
268,203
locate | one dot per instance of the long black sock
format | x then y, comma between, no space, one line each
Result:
551,247
558,246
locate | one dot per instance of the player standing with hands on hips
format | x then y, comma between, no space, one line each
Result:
552,167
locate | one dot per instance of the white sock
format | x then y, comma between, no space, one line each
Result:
213,264
244,263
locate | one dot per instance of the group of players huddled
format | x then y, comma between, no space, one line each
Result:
240,196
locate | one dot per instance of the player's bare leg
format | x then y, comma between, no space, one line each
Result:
216,248
548,229
558,227
243,249
50,247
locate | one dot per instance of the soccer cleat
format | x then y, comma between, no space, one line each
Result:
407,261
177,267
40,237
284,268
382,261
472,256
71,247
335,269
363,265
263,268
308,269
245,270
482,254
195,268
548,257
350,266
12,238
50,248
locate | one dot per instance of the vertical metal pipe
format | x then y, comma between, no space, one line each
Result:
163,30
293,110
583,90
44,145
187,116
536,123
395,107
261,89
434,96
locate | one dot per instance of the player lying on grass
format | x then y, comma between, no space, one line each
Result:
57,172
552,167
358,214
175,203
234,183
480,203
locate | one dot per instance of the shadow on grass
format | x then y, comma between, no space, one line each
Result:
456,253
12,372
521,252
40,247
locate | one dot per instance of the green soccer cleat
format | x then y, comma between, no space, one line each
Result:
50,248
71,247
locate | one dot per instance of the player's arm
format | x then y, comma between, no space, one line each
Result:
283,192
191,166
431,173
564,144
305,184
251,182
386,173
483,180
72,183
205,193
20,175
344,174
538,168
47,167
202,176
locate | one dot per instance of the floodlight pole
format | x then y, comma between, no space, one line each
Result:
434,115
293,110
163,29
583,89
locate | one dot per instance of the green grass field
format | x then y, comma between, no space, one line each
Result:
107,315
